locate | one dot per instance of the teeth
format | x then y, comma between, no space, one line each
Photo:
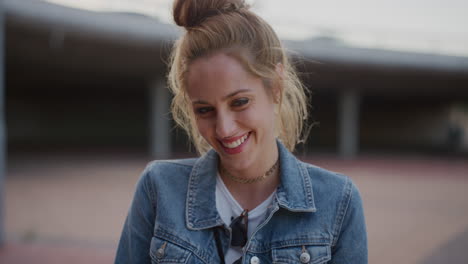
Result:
236,143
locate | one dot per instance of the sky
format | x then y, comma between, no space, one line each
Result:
429,26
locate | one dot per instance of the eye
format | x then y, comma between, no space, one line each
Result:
240,102
203,110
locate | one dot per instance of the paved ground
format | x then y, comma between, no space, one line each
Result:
54,253
70,208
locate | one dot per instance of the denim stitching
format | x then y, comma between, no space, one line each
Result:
307,189
192,190
342,210
149,188
190,195
309,241
278,259
149,172
162,234
307,186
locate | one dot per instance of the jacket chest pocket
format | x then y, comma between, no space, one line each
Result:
165,252
312,254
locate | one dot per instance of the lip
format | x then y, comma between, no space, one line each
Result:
233,138
237,149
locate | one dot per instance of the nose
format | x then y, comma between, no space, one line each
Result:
225,124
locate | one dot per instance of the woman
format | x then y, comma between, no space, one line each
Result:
247,199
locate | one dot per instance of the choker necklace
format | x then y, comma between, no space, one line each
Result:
247,181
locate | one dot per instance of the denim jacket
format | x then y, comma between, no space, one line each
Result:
316,217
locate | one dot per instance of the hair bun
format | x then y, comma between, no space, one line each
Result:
191,13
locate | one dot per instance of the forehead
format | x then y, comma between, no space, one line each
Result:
218,62
217,74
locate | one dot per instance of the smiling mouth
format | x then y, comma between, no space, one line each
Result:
236,143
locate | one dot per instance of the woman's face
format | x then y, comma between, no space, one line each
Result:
234,112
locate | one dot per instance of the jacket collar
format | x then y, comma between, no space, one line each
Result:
294,192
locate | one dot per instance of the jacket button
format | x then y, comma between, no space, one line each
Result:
254,260
160,253
305,257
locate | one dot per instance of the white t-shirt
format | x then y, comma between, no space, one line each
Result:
229,208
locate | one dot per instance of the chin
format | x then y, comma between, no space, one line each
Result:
240,161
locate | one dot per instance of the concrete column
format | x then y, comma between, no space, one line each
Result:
348,118
2,125
160,122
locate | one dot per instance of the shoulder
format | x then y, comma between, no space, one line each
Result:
162,165
327,179
164,172
335,190
333,187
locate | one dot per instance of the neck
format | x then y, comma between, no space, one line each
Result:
256,168
262,177
252,194
249,196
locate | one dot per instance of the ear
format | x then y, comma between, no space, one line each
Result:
279,68
278,87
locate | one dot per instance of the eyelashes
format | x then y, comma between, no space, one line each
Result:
240,102
203,110
236,104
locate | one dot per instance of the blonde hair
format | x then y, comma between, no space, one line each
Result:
229,26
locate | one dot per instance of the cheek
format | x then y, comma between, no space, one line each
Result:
259,118
203,127
207,131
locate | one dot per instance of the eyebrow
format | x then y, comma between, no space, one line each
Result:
225,97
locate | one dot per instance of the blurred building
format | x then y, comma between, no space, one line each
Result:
79,79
